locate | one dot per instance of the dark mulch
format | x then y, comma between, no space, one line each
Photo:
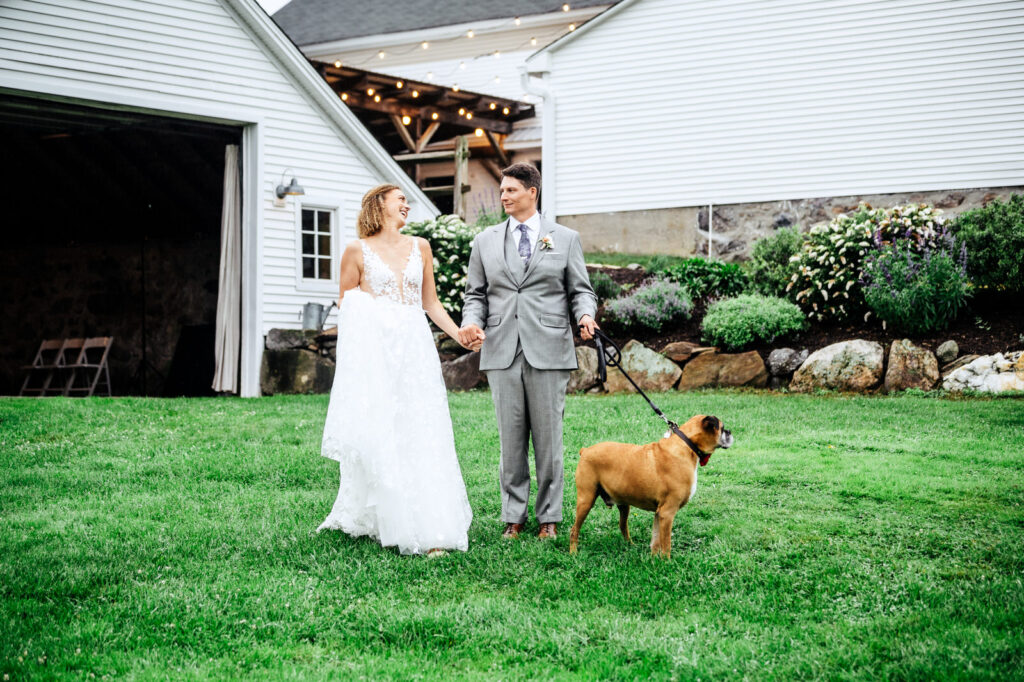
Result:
992,323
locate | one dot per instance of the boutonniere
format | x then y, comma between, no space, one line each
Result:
546,243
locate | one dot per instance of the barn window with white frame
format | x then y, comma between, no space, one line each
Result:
317,234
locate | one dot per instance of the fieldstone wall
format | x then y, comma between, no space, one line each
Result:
684,231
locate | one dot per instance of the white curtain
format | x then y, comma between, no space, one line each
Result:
229,286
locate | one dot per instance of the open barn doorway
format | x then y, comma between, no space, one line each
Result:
112,228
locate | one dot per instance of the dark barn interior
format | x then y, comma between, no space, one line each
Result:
112,229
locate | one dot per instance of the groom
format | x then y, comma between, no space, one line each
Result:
527,285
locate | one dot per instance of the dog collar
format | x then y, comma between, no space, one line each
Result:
701,455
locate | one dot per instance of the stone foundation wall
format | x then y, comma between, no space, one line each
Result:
684,231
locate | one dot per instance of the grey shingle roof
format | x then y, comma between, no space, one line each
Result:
318,21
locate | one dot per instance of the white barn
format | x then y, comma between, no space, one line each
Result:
117,107
657,109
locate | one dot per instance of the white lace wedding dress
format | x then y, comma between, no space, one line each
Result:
388,423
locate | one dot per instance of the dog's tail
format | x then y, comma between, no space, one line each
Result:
604,495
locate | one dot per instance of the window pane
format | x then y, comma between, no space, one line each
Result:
324,219
307,245
325,268
324,242
307,267
307,219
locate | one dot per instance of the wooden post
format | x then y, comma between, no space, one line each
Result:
461,176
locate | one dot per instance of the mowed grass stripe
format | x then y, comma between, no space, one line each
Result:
840,538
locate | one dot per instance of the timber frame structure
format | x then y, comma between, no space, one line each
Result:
419,122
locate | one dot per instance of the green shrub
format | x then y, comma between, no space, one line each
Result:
491,217
734,323
994,237
915,292
771,267
604,286
652,306
706,278
826,283
451,240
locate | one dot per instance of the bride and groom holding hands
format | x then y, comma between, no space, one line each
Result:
388,423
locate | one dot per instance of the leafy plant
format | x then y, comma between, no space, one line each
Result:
652,305
916,292
706,278
734,323
826,283
451,240
771,266
994,237
491,217
604,286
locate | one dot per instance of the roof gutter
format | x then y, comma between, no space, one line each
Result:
541,68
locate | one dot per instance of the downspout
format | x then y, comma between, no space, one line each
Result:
547,140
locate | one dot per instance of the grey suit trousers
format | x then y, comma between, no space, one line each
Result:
529,400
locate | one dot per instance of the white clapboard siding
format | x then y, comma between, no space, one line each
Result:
664,103
187,52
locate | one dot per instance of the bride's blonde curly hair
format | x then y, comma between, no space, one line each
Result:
371,213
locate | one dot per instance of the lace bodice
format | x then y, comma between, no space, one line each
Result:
383,281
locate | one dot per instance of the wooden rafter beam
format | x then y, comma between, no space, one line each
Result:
498,149
403,132
424,139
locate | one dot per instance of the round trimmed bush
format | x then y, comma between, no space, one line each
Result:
771,266
994,238
654,305
734,323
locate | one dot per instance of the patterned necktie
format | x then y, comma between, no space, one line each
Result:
524,244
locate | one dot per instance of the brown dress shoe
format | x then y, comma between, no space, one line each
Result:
512,531
548,530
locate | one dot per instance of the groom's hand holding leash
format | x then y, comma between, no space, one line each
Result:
587,327
472,337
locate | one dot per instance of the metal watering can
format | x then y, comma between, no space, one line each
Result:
314,315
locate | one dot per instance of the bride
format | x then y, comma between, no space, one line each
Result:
387,422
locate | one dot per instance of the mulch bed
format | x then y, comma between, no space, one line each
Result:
992,323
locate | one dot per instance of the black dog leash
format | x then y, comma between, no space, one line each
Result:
612,356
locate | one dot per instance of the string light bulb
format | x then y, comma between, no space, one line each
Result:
406,120
376,98
344,97
381,54
572,27
370,91
415,93
518,21
497,79
533,41
455,88
479,132
469,33
337,65
565,7
462,111
462,65
505,111
493,106
469,115
430,75
424,44
497,54
399,84
433,116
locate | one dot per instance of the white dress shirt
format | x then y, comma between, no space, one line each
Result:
532,230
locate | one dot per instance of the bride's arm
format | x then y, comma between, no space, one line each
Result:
351,268
431,303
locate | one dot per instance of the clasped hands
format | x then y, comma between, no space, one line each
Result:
472,337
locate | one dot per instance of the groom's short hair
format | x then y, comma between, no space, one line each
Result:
524,173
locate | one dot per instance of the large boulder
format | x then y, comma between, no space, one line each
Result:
958,363
463,373
585,377
650,369
845,366
724,369
784,361
295,371
989,374
291,339
910,366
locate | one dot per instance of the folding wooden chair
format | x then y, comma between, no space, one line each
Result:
41,371
90,367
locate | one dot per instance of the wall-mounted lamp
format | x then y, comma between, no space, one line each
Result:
293,189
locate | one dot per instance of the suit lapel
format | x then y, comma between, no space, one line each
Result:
539,252
496,247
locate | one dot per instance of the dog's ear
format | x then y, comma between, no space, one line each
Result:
711,424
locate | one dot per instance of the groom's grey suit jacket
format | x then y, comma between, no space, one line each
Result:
536,307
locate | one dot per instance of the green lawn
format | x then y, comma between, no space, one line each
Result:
840,538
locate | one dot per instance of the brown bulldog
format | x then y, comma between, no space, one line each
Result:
659,477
